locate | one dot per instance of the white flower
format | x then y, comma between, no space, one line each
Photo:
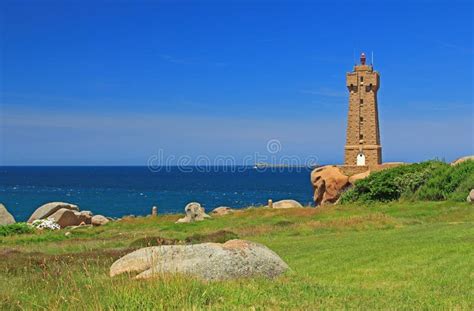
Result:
49,224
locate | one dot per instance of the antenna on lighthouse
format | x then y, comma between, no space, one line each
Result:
372,58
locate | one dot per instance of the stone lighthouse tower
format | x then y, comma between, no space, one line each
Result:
363,136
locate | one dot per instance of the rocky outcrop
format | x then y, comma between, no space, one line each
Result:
359,176
66,215
222,210
5,217
65,218
194,212
208,261
99,220
46,210
470,196
287,204
328,183
463,159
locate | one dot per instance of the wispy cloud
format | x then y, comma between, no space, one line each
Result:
105,138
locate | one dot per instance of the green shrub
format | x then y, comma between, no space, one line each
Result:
16,228
463,189
391,184
431,180
452,182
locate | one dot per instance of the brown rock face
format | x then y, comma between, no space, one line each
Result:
356,177
328,183
66,217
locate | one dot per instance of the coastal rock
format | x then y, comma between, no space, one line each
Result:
194,212
359,176
287,204
99,220
65,217
463,159
470,197
5,217
208,261
48,209
222,210
328,183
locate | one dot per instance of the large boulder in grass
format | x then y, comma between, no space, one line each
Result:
328,183
48,209
287,204
5,217
65,218
194,212
208,261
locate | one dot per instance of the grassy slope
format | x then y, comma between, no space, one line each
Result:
396,255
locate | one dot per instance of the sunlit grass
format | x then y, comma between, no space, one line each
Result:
381,256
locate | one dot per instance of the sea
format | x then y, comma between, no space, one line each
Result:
134,190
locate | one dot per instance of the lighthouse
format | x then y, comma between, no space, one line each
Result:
363,146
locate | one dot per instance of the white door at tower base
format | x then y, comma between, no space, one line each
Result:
360,159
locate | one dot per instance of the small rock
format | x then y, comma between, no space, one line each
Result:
208,261
287,204
222,210
5,217
470,197
67,233
99,220
194,212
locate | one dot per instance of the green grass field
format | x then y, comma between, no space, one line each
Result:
416,255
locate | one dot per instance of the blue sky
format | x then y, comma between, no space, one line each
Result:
102,83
